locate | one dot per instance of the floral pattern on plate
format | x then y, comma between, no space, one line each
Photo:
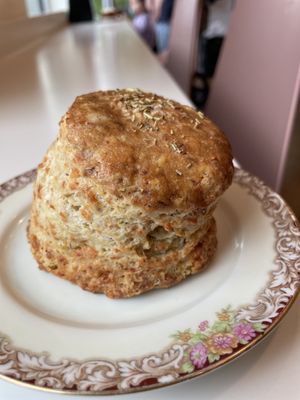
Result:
209,343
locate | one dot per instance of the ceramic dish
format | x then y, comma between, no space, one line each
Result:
56,337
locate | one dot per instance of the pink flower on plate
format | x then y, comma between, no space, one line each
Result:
244,331
198,355
203,325
222,343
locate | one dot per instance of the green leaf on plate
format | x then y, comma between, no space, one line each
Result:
221,326
259,327
213,357
198,337
187,367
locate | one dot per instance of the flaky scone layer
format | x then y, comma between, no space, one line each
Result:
123,206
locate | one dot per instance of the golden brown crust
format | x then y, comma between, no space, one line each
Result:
124,197
155,151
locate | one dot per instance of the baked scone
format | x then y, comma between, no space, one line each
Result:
124,198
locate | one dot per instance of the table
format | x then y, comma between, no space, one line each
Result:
36,87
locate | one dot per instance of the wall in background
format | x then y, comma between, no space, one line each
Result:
12,9
18,34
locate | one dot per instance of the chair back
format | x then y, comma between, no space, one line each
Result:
255,90
183,42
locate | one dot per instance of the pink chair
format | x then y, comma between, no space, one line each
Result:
256,86
183,42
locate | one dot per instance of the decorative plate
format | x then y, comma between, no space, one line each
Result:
55,336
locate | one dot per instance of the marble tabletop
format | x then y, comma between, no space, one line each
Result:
37,85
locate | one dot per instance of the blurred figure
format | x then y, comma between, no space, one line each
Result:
80,11
211,40
162,25
141,22
218,14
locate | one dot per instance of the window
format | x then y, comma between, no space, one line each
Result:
42,7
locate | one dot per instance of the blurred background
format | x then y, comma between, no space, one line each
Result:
153,20
236,60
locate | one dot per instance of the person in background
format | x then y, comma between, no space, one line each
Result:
218,14
80,11
141,22
162,25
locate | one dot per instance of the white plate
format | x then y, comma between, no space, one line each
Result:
55,336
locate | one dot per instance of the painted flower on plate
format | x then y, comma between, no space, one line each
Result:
203,325
244,331
198,355
183,336
223,316
222,343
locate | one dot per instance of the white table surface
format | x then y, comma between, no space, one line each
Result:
36,87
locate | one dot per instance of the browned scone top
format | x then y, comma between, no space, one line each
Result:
149,149
124,198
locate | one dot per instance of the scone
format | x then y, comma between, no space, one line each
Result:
124,198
